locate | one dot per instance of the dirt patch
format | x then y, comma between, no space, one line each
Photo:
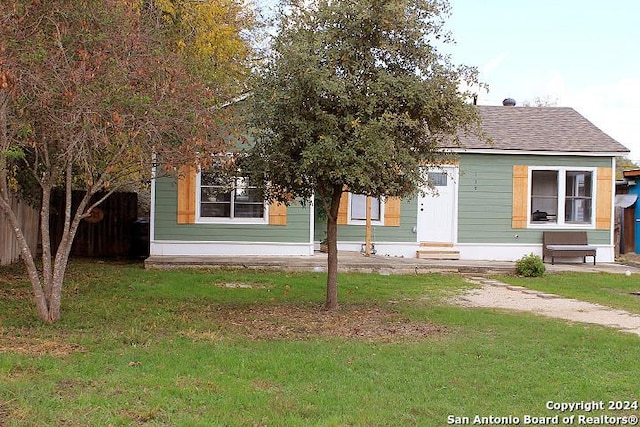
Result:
631,259
236,285
296,322
7,293
141,417
4,412
10,343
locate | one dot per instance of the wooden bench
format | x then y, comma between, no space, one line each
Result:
567,244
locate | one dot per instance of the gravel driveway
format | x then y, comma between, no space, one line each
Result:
495,294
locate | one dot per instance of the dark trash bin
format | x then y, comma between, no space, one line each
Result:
140,237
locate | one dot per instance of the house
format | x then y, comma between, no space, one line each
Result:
545,168
627,192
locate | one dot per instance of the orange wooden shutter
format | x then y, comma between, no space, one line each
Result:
187,195
392,212
604,199
520,195
343,210
277,214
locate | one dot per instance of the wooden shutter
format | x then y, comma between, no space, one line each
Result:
520,196
392,212
604,199
343,210
187,195
277,214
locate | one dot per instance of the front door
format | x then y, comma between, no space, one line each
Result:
437,208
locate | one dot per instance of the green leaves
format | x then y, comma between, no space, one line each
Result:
356,94
13,153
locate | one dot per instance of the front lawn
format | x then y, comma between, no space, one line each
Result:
238,348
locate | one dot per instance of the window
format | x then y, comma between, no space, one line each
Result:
359,208
578,197
384,212
438,179
544,196
232,200
561,196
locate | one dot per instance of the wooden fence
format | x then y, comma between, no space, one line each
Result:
29,222
108,233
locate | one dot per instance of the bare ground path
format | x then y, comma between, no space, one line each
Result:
495,294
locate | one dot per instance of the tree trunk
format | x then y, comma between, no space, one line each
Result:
61,260
45,240
331,302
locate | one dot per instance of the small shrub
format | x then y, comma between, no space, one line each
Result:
530,266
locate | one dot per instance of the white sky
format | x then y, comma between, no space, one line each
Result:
583,54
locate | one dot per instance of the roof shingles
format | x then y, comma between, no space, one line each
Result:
557,129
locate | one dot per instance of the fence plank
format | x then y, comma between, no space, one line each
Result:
29,223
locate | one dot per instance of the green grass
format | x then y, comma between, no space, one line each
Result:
150,348
613,290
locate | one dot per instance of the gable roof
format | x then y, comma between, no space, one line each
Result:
551,129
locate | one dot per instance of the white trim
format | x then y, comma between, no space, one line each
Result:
456,190
475,251
312,224
537,153
152,212
232,221
613,202
513,252
562,176
235,100
229,248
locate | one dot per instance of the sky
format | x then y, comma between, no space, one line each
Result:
583,54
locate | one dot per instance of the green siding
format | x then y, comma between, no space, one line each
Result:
379,233
485,197
166,227
484,210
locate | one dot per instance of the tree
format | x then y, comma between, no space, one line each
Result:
354,97
545,101
212,35
88,91
624,164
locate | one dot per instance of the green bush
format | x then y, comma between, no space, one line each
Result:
530,266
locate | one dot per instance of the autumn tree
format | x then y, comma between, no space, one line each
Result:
90,89
624,164
213,37
354,97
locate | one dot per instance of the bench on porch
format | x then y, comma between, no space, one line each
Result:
567,244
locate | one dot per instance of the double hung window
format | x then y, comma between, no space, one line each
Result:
359,208
234,199
561,196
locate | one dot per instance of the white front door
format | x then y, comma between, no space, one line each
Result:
437,208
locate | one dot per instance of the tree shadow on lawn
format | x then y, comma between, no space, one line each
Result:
308,321
294,322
